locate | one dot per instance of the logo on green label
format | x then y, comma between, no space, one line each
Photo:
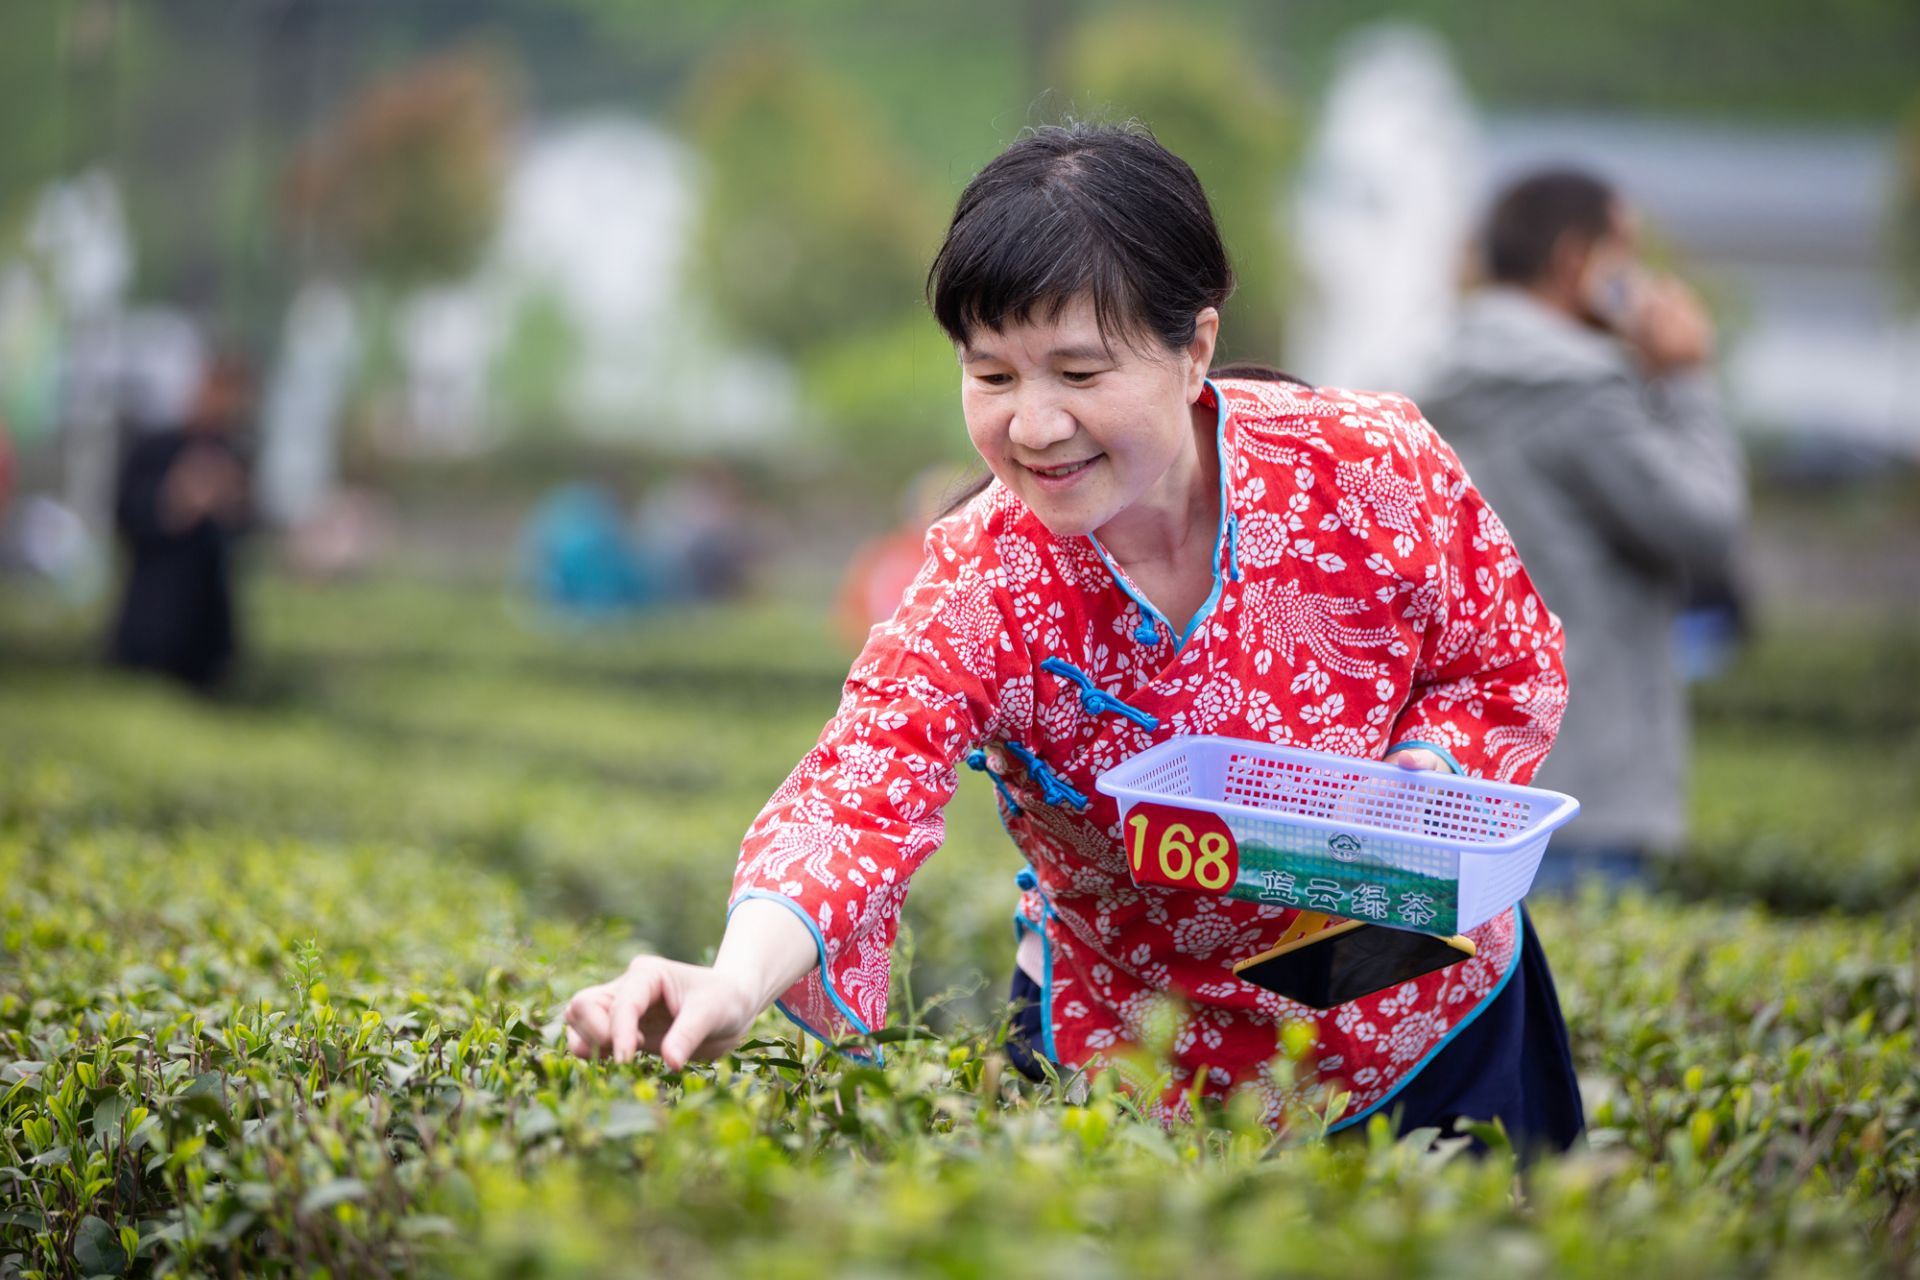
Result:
1345,847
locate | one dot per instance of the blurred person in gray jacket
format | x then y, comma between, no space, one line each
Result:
1578,389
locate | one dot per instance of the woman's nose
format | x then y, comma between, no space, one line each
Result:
1040,422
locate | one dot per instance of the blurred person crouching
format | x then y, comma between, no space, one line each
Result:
884,567
1578,389
182,500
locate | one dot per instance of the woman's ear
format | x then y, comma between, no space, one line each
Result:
1206,333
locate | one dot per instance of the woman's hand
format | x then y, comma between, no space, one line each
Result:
678,1011
685,1011
1418,758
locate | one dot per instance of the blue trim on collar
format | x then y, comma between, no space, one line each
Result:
1519,941
1146,633
1150,616
819,940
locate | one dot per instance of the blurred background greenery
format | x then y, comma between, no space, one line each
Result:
476,251
781,174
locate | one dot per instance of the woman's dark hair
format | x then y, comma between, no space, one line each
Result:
1096,210
1103,211
1531,215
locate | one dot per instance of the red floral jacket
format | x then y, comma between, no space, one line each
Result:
1364,596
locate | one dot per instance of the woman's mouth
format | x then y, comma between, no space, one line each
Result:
1064,474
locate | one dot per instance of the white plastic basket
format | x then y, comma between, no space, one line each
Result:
1412,848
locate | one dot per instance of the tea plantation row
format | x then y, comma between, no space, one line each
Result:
279,984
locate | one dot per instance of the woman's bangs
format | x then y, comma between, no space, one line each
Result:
987,279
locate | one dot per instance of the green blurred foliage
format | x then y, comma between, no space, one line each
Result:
1210,103
281,981
537,358
816,226
205,94
1803,794
199,105
891,400
816,233
33,146
407,180
1774,59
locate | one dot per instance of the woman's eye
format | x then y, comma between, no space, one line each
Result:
1078,375
994,379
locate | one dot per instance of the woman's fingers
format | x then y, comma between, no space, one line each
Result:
658,1017
640,993
701,1017
589,1031
1417,758
679,1012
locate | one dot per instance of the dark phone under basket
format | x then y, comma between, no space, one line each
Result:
1323,967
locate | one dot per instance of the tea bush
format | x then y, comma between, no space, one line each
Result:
279,987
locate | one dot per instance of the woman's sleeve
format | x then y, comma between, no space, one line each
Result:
1489,683
839,840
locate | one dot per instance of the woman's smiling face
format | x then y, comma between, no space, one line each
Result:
1083,430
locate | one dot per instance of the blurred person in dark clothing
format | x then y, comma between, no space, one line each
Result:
1578,389
182,499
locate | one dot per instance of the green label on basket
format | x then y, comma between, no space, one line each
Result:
1342,880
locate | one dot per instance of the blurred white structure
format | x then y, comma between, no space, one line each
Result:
600,216
448,338
78,236
79,230
75,359
597,222
1381,213
305,397
162,359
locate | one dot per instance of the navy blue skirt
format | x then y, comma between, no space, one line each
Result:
1512,1063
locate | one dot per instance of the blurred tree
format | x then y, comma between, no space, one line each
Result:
37,51
402,189
891,398
1210,104
816,227
814,241
407,180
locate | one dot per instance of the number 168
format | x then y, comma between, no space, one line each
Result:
1181,849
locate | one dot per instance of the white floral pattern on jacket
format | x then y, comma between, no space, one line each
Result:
1366,597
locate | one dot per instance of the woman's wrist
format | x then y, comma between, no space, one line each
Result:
766,949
